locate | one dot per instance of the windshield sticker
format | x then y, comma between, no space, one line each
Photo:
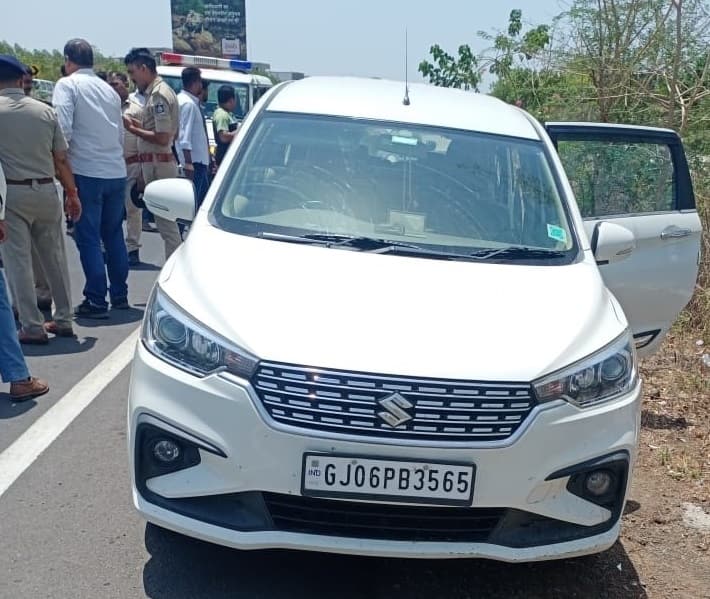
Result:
407,141
557,233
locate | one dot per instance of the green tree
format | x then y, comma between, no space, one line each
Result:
49,64
448,71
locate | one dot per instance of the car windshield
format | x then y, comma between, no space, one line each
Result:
241,91
335,179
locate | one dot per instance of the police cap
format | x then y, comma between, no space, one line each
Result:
10,62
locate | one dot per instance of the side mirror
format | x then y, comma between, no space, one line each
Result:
612,243
172,199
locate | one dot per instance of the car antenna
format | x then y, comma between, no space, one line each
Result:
406,101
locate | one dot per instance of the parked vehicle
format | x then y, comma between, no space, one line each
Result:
409,327
248,87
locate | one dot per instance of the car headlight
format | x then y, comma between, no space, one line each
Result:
601,377
174,337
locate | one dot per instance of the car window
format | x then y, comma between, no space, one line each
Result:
241,90
616,178
434,187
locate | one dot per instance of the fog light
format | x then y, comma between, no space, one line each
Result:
599,482
166,451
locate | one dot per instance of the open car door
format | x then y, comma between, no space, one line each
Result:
638,177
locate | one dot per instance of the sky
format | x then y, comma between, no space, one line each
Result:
317,37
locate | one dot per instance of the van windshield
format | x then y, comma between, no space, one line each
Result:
241,91
438,190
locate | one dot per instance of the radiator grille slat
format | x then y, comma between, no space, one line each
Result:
354,403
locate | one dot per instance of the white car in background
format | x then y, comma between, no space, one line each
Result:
393,331
248,88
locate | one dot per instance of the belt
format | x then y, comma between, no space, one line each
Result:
133,159
30,182
156,157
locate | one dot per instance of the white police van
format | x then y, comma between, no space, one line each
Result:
248,87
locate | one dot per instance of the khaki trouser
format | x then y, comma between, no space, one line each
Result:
34,217
153,171
134,215
41,282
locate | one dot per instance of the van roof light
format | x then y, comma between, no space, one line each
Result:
187,60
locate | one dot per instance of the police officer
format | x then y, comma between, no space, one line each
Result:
13,368
32,149
44,295
156,131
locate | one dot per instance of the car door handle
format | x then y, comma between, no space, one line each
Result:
674,232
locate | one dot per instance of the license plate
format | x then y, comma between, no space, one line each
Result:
391,480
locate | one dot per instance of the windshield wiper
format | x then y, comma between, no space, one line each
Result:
360,242
377,245
338,240
514,251
371,245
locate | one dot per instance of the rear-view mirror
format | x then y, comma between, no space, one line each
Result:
172,199
612,243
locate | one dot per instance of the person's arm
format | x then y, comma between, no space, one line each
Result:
184,142
62,168
121,128
222,126
226,136
163,133
159,138
3,195
72,204
63,101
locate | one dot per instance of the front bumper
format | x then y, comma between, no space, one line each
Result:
247,467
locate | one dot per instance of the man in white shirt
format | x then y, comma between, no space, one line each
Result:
89,113
192,144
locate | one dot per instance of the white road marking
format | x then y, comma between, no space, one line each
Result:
30,445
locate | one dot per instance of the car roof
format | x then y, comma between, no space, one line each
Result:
380,99
217,75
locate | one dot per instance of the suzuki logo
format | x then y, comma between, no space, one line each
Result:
395,405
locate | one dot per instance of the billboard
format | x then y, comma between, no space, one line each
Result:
209,28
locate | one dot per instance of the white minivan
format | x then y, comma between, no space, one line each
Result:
408,325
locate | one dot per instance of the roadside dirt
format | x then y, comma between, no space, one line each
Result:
666,532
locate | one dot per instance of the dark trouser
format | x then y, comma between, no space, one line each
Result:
13,367
201,180
102,202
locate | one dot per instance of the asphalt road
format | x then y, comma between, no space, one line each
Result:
68,528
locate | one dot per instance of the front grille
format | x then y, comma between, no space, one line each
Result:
292,513
388,406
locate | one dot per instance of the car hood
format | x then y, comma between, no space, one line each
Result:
358,311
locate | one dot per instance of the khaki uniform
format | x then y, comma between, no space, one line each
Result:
162,115
30,134
134,223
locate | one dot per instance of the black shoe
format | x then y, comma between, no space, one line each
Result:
88,310
120,303
134,258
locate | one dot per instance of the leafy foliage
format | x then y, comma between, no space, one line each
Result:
49,63
447,71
